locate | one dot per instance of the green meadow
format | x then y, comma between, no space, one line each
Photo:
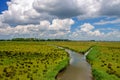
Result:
105,61
30,60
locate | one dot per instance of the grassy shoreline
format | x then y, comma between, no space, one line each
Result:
104,58
99,71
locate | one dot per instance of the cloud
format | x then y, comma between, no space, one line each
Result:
113,35
45,29
53,18
110,7
24,12
67,8
3,25
20,12
88,32
88,29
58,8
103,22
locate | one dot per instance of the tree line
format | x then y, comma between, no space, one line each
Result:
33,39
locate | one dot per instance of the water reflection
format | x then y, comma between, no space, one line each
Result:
78,69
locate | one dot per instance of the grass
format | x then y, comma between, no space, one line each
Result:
105,61
40,61
104,57
102,75
30,61
80,47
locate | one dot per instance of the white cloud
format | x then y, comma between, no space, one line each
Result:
20,12
52,18
103,22
88,32
24,12
97,33
62,24
58,28
86,27
113,35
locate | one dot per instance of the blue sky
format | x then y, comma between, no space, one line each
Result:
3,5
46,19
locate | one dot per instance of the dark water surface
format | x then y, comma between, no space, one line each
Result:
78,69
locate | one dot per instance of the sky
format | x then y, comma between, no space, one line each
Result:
60,19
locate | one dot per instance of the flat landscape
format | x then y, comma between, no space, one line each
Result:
21,60
30,61
59,39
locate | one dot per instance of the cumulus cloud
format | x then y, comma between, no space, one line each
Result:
19,12
45,29
68,8
88,32
58,8
24,12
88,29
53,18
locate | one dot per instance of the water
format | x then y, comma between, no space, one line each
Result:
78,69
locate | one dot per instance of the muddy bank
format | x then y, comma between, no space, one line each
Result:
78,68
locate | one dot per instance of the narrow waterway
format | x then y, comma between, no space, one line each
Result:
78,68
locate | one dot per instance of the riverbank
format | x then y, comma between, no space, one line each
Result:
78,68
103,63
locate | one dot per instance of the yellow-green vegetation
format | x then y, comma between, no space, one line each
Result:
105,60
42,60
104,57
77,46
30,61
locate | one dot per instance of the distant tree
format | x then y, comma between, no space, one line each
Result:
34,39
92,40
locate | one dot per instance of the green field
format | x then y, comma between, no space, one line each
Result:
80,47
105,60
104,57
42,60
30,61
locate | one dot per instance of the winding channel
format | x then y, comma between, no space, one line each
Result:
78,68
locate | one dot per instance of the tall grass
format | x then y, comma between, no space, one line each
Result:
105,61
